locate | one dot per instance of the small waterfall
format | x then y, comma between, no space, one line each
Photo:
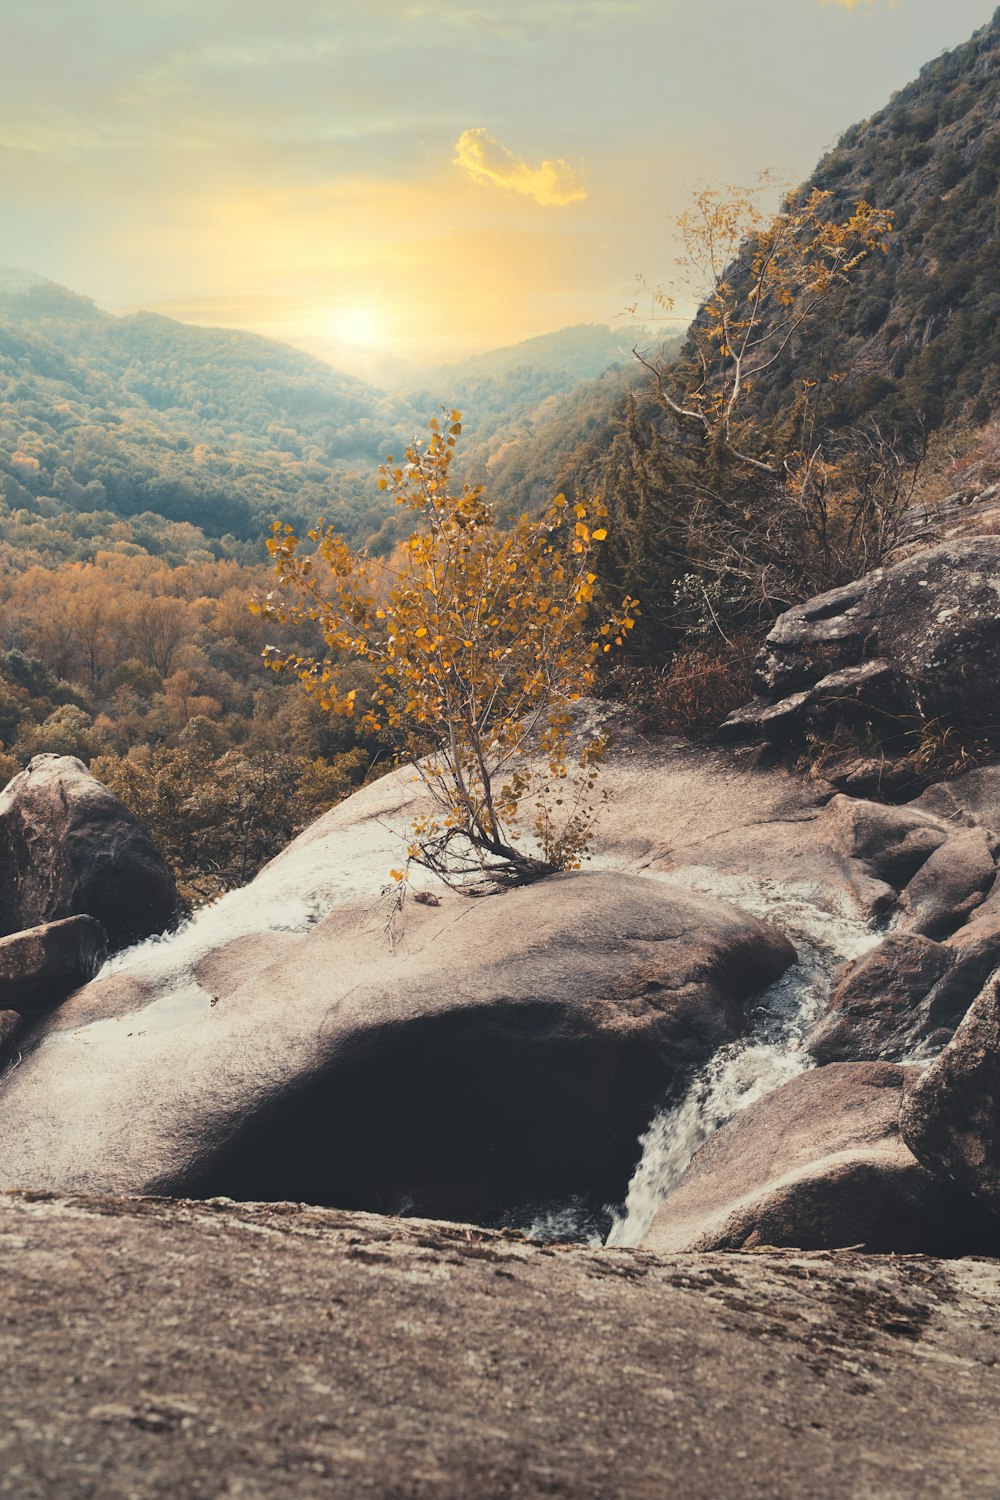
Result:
769,1055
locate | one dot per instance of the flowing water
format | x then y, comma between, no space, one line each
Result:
769,1055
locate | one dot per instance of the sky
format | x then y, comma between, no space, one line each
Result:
413,180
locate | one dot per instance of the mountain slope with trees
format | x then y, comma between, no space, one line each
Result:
905,346
918,339
187,441
210,427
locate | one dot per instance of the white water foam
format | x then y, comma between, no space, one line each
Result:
290,895
772,1053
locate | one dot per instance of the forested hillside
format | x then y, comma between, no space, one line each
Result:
211,427
140,462
187,442
834,427
920,336
526,457
504,383
915,340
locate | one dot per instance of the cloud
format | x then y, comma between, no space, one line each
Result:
554,183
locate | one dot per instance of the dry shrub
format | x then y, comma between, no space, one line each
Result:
693,692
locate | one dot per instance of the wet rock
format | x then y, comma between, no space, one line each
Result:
891,843
920,638
951,1113
506,1051
68,847
951,883
906,996
42,965
443,1362
819,1164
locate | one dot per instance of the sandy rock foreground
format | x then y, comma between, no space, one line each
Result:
212,1349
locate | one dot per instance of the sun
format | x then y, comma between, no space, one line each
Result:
357,325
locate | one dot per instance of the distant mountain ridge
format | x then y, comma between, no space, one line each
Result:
217,428
506,392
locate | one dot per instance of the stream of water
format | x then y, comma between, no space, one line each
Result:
769,1055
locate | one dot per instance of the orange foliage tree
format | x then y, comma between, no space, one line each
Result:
762,277
480,640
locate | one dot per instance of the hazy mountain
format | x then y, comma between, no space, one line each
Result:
527,457
222,429
520,376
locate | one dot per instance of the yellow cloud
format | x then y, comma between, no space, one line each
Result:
482,158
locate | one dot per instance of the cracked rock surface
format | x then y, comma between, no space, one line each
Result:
921,637
213,1350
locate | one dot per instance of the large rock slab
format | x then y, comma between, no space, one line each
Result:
40,966
158,1350
920,638
502,1051
951,1113
68,847
819,1164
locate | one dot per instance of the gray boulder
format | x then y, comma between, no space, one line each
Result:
951,1114
966,801
903,997
507,1051
920,638
889,843
817,1165
934,870
40,966
68,847
949,886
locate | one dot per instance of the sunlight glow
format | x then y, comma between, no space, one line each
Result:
357,325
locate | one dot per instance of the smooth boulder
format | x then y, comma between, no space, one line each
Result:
40,966
69,847
902,998
503,1052
817,1165
951,1113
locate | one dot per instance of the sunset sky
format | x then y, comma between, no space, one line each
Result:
417,177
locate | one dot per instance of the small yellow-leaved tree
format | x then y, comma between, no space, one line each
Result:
481,639
762,277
